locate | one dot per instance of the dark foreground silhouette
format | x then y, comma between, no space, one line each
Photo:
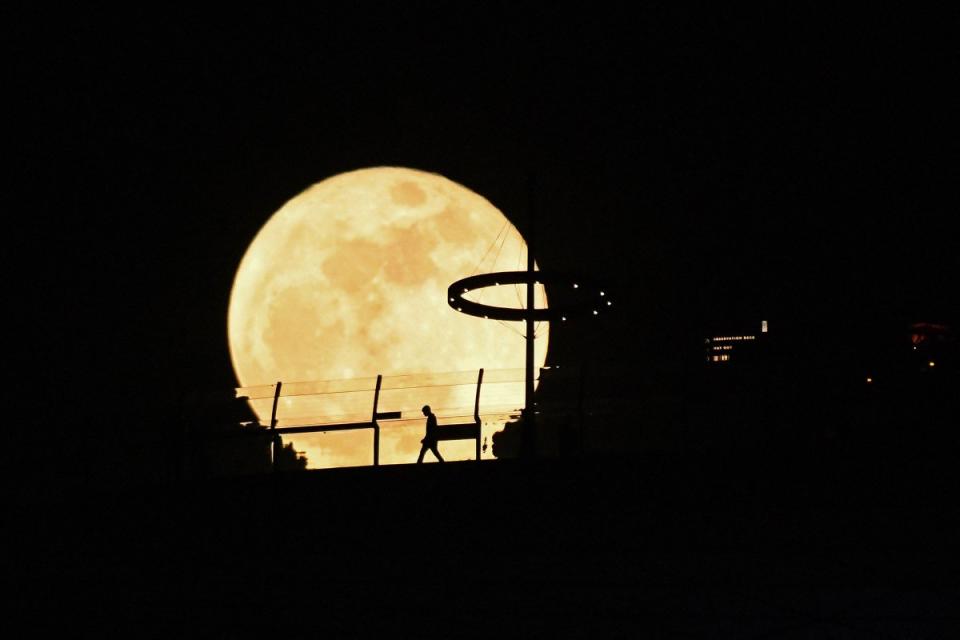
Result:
786,546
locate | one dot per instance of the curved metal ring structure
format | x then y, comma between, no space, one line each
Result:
592,298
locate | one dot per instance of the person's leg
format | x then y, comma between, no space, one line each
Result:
436,452
423,450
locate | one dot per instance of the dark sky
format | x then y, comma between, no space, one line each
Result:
714,166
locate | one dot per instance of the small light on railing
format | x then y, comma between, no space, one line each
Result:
451,299
931,364
576,286
602,293
563,318
594,312
609,303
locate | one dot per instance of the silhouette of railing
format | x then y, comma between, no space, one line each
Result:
373,403
579,410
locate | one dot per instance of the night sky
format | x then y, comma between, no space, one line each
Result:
714,167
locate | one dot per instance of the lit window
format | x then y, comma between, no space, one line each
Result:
763,326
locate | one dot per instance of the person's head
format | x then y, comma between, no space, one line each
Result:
426,409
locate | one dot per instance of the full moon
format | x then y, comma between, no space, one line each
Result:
348,280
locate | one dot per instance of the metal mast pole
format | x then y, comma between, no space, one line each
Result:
528,434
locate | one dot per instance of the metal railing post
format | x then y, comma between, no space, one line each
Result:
273,427
376,425
476,410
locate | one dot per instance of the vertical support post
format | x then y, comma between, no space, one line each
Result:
273,426
376,425
476,410
528,432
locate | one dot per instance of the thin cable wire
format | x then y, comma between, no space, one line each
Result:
502,238
516,287
489,249
503,242
493,267
510,327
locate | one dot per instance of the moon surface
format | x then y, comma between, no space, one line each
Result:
348,280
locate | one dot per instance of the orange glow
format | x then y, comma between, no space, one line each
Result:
349,280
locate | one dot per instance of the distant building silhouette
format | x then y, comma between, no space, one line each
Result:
933,342
740,398
736,346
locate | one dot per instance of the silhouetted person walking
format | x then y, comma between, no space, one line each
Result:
430,439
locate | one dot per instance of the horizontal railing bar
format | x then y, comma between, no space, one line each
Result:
444,429
324,427
515,375
386,388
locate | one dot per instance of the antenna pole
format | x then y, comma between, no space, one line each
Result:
528,433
